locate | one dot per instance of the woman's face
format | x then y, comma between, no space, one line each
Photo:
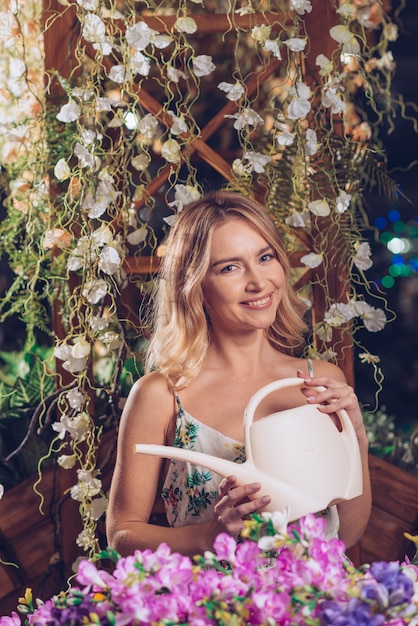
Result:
244,283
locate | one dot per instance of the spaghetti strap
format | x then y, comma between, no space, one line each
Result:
310,367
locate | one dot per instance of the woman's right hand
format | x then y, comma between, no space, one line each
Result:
235,503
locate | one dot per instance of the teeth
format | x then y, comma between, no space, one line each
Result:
258,302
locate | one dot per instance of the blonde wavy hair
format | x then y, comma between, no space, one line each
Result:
181,329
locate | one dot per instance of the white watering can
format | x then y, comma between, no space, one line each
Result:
300,457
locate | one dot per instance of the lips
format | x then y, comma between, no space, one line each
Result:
258,302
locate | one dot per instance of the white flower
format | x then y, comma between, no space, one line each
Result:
174,74
69,112
344,36
247,117
102,235
300,104
85,158
284,136
319,207
333,99
147,126
104,104
374,319
96,507
137,236
178,125
272,45
326,66
305,301
234,91
256,161
94,29
99,323
95,290
75,357
86,539
67,461
185,25
183,195
312,260
362,258
89,5
75,398
111,339
339,313
239,168
139,64
119,74
261,33
203,65
300,6
141,162
366,357
140,35
109,260
1,491
324,332
87,486
77,426
347,10
343,201
171,151
390,32
298,220
61,170
279,519
296,44
161,41
311,145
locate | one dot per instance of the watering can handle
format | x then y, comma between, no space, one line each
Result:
259,395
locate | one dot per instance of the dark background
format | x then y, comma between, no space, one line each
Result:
397,344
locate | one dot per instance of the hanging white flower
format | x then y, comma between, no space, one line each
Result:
333,99
311,145
367,357
174,74
171,151
239,168
67,461
312,260
119,74
99,323
74,358
111,339
298,220
88,5
102,235
339,313
185,25
87,487
246,117
147,126
141,162
137,236
94,29
390,31
300,104
203,65
300,6
320,208
109,260
234,91
139,64
183,195
75,398
88,136
62,170
284,136
85,158
326,66
344,36
296,44
256,161
76,426
272,45
95,509
1,491
81,254
69,112
81,348
343,201
261,33
95,290
105,104
139,35
362,259
305,301
347,10
161,41
178,125
374,319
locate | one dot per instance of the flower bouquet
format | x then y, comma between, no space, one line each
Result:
271,575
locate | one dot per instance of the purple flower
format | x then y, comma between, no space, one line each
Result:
390,587
354,613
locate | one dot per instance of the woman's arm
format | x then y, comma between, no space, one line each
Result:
149,417
354,514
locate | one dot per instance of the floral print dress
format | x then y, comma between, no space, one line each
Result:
189,491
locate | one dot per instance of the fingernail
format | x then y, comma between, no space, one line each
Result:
265,499
255,486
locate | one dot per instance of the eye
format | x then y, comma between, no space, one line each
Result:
268,256
227,269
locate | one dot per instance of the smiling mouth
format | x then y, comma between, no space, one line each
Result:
258,303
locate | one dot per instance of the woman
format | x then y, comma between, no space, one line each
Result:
226,323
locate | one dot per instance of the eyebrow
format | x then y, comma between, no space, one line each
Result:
237,258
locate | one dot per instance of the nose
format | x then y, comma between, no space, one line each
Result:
255,279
